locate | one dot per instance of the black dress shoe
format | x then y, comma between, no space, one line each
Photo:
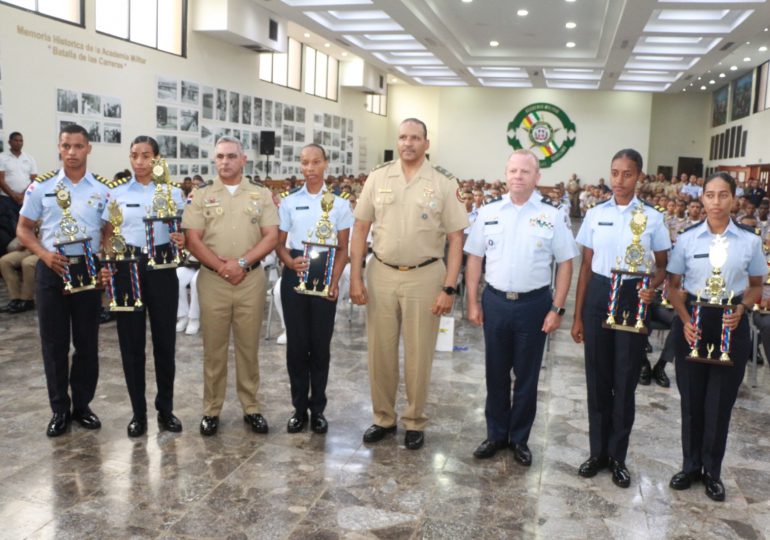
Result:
6,308
591,466
645,376
522,454
318,423
683,480
620,475
488,448
297,422
376,433
137,426
169,422
86,418
58,424
659,374
715,489
414,440
21,306
209,425
257,422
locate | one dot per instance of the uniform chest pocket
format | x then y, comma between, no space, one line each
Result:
542,232
49,202
212,212
253,210
493,241
384,199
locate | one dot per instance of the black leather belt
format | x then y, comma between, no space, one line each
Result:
607,281
405,268
516,295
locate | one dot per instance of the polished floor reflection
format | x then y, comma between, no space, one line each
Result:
242,485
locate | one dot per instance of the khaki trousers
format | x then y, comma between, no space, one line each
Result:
18,270
401,299
239,308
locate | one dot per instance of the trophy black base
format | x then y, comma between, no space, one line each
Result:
126,309
625,328
711,361
75,290
162,266
311,292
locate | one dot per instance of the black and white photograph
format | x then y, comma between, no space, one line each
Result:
90,104
249,168
299,134
207,99
167,144
288,133
204,170
237,133
221,132
268,118
246,110
318,119
336,122
288,113
67,101
173,169
335,157
207,135
166,117
299,115
350,125
233,107
278,145
112,108
204,152
190,93
189,148
327,120
255,141
257,112
287,153
184,169
318,137
221,105
112,133
64,122
94,130
245,139
278,115
336,140
167,89
327,138
188,120
195,168
349,159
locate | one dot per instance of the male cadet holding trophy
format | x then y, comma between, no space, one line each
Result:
68,203
416,210
230,226
621,229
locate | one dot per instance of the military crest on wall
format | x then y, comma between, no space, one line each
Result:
545,129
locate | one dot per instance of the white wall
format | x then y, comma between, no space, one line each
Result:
679,128
31,74
757,149
467,127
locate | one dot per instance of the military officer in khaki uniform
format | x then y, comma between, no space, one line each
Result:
231,225
414,210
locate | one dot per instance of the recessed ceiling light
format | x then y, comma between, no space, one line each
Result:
721,75
467,1
712,81
570,1
307,35
748,43
344,53
733,68
762,48
494,43
702,87
699,78
747,59
327,44
522,13
570,25
570,44
766,29
684,89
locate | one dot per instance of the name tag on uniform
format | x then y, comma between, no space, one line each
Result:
700,255
385,190
606,223
302,208
50,194
491,222
134,205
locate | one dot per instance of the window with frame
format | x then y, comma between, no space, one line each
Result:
377,104
762,91
70,11
158,24
283,69
322,75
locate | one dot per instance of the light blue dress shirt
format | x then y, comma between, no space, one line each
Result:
690,258
300,211
520,242
89,198
606,230
134,199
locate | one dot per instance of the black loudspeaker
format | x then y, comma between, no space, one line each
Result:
388,155
267,143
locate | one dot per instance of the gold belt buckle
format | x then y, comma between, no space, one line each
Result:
404,268
511,296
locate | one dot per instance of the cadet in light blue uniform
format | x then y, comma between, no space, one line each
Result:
614,358
160,292
520,235
58,313
709,391
310,319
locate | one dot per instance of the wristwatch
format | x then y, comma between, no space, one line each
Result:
558,310
449,290
243,263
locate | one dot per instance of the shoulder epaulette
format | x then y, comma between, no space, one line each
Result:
549,202
289,192
175,184
496,199
691,227
653,206
345,195
112,184
102,180
445,172
381,165
753,230
592,205
46,176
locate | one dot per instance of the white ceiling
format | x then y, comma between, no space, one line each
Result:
644,45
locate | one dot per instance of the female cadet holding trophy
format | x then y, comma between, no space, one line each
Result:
313,246
141,245
721,267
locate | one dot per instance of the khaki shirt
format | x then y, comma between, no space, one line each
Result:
230,223
410,220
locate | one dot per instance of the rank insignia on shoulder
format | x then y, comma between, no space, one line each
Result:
381,165
749,228
445,172
691,227
549,202
46,176
109,183
460,195
344,195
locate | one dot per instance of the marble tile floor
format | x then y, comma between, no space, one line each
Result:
240,485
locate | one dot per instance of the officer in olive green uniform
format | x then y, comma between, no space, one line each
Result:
231,225
414,210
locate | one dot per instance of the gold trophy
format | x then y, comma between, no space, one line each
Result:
70,233
635,258
714,292
164,210
325,237
127,296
